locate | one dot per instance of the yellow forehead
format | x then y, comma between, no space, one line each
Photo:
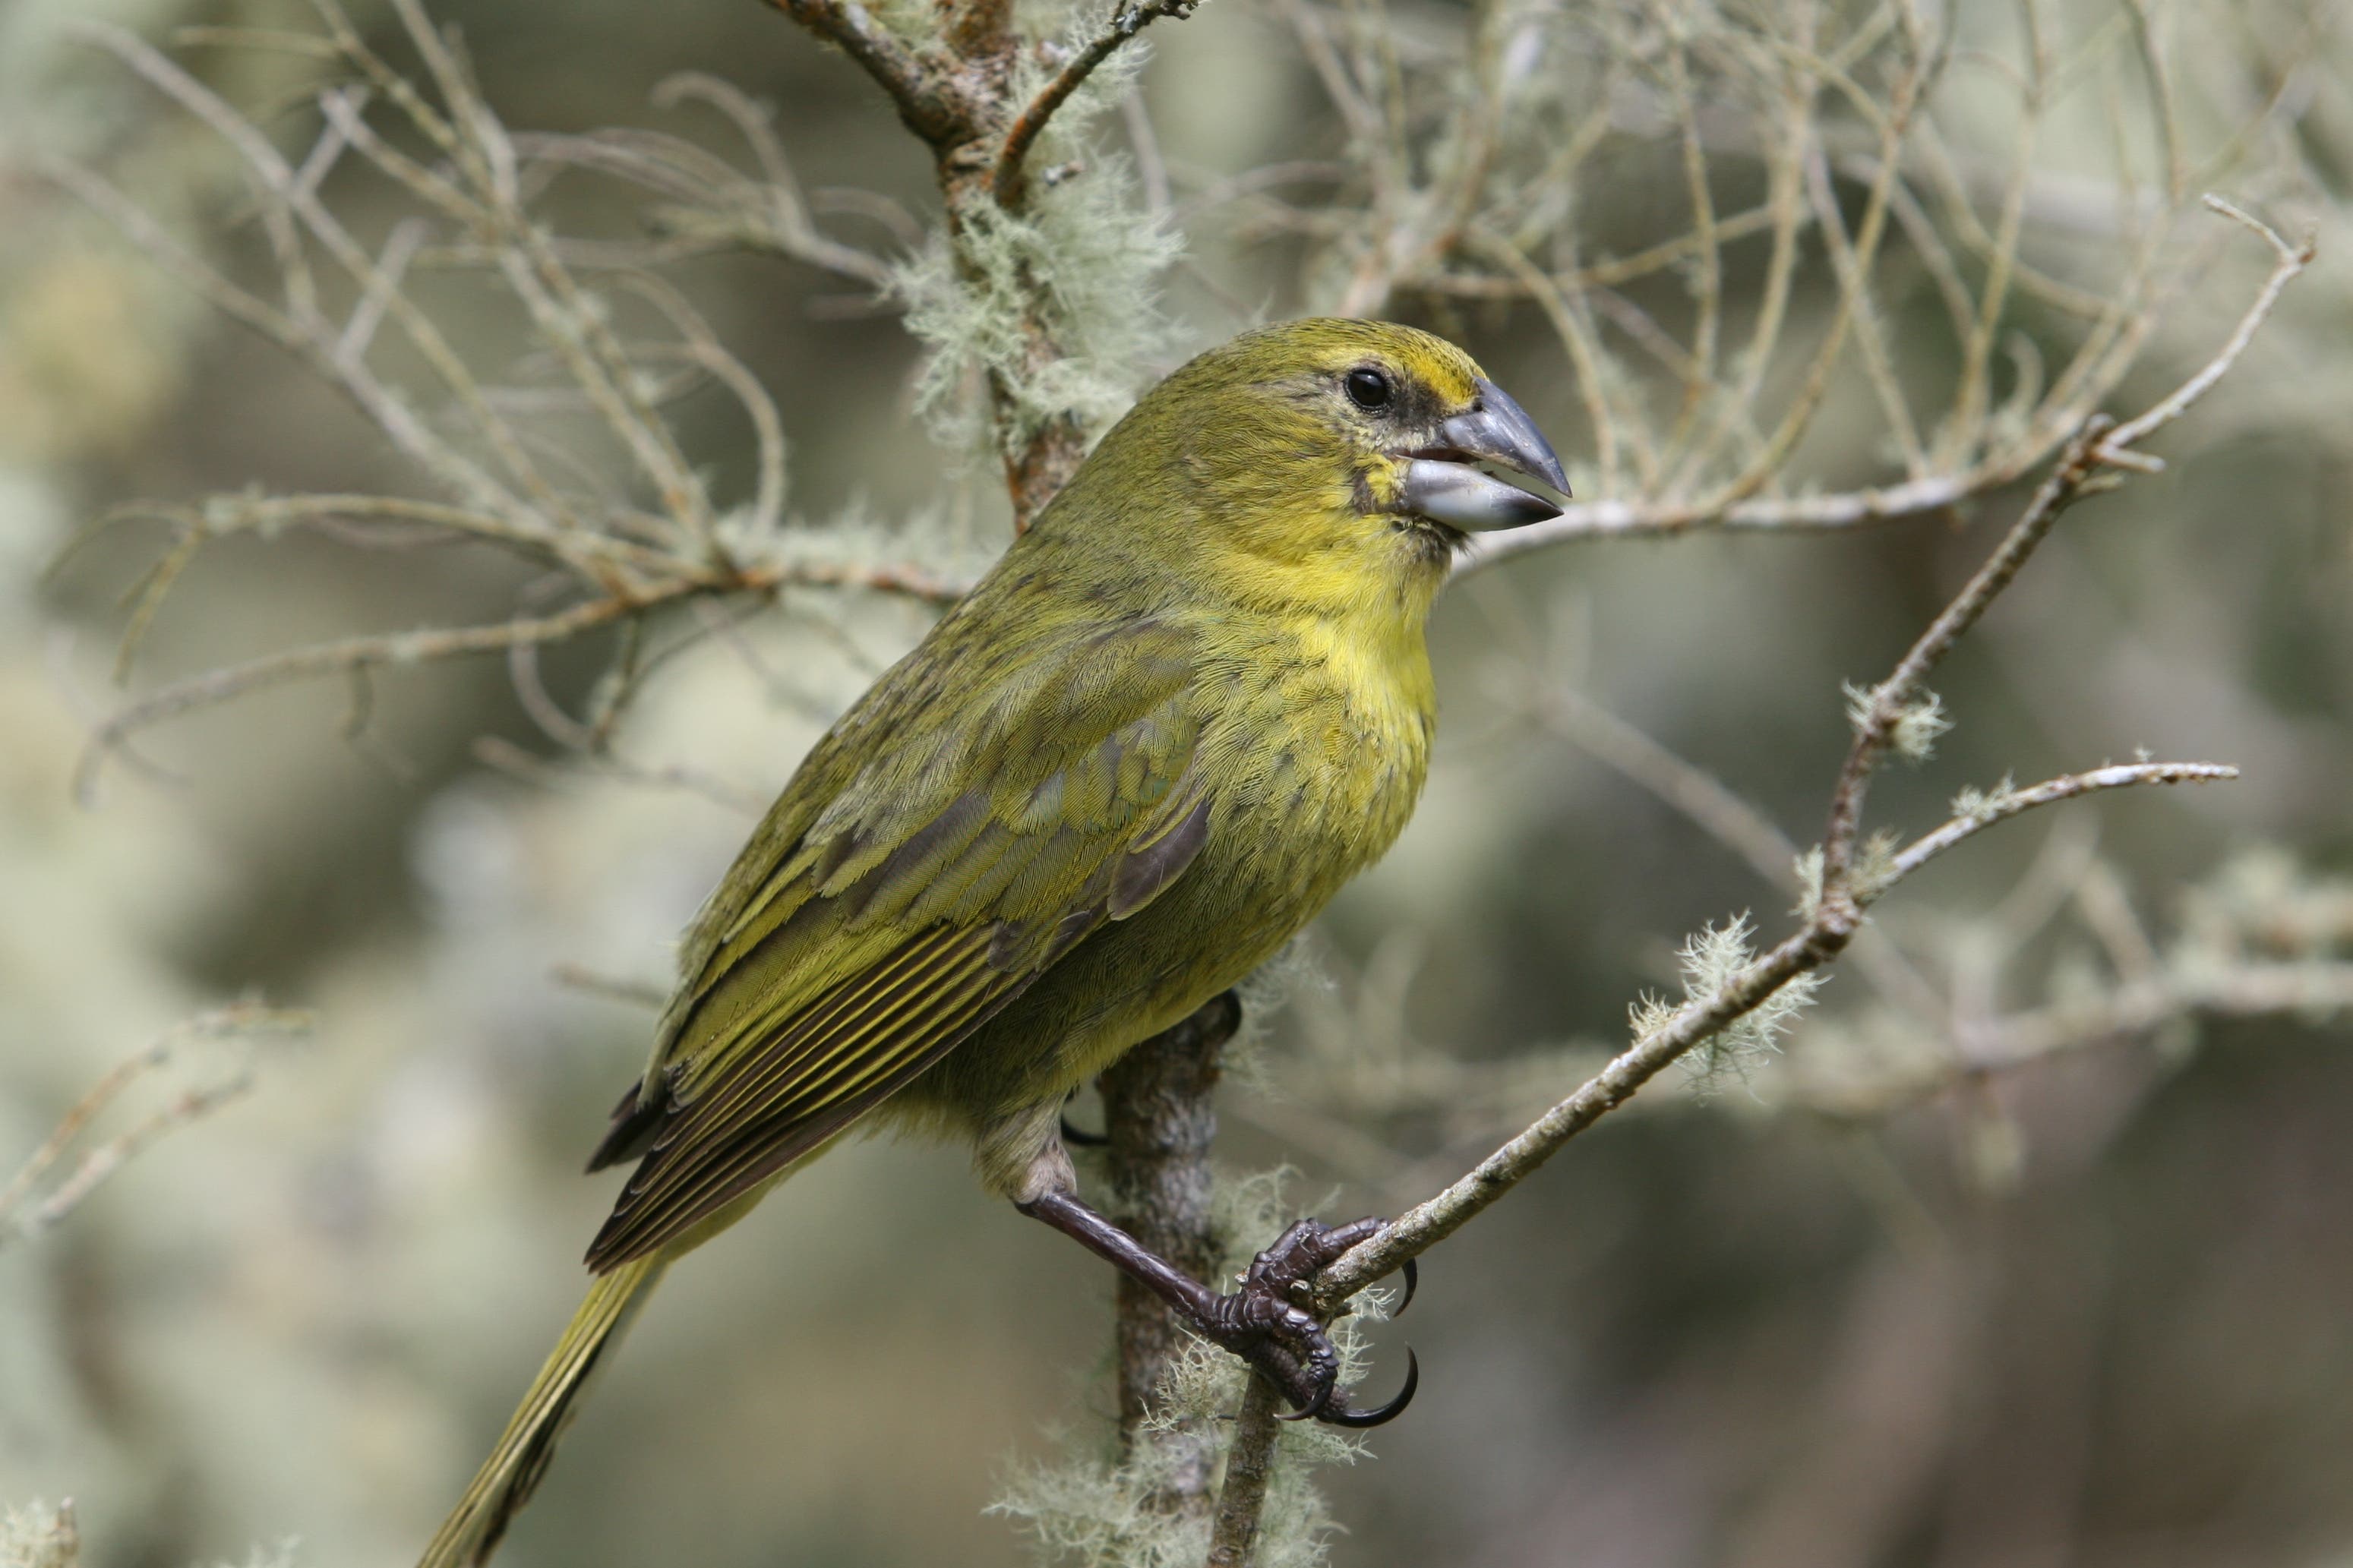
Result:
1328,343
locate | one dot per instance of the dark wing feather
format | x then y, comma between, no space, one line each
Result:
636,1119
863,936
930,994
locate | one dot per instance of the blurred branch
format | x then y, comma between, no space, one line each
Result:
651,996
26,1212
627,562
358,655
714,206
2131,1009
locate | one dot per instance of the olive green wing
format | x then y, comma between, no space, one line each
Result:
956,834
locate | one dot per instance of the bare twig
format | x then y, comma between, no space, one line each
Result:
243,1021
1009,180
2007,804
1793,514
931,100
214,687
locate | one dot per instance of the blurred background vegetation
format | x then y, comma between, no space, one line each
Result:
1928,1287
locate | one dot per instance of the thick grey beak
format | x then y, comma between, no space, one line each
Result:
1442,484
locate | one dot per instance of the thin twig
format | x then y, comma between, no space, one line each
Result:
1009,181
1249,1464
217,685
2008,804
98,1164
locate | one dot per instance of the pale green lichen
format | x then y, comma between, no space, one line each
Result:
1982,805
39,1535
1808,870
45,1535
1919,724
1081,262
1710,959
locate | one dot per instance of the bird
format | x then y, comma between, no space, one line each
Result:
1185,707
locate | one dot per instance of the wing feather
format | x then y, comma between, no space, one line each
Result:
883,912
715,1150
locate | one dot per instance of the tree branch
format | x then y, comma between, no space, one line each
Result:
1159,1119
1249,1466
2004,804
922,87
359,654
1009,181
1838,509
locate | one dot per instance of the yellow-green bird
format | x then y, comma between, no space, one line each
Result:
1181,710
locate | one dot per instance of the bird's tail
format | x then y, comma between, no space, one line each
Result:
504,1483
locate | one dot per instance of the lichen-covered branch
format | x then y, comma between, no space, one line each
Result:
1010,179
1159,1121
632,546
965,95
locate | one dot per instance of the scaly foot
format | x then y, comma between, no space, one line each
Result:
1267,1323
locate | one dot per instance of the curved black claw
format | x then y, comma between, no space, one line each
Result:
1267,1323
1380,1416
1309,1411
1413,1271
1080,1138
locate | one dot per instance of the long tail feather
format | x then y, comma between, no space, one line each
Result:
504,1483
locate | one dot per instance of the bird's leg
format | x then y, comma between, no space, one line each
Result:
1266,1322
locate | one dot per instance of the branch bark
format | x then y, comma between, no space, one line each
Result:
1011,179
1250,1466
958,95
1159,1117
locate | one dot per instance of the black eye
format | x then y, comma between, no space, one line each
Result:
1369,389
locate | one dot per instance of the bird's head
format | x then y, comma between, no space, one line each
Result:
1316,460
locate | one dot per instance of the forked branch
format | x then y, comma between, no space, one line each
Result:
1009,180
